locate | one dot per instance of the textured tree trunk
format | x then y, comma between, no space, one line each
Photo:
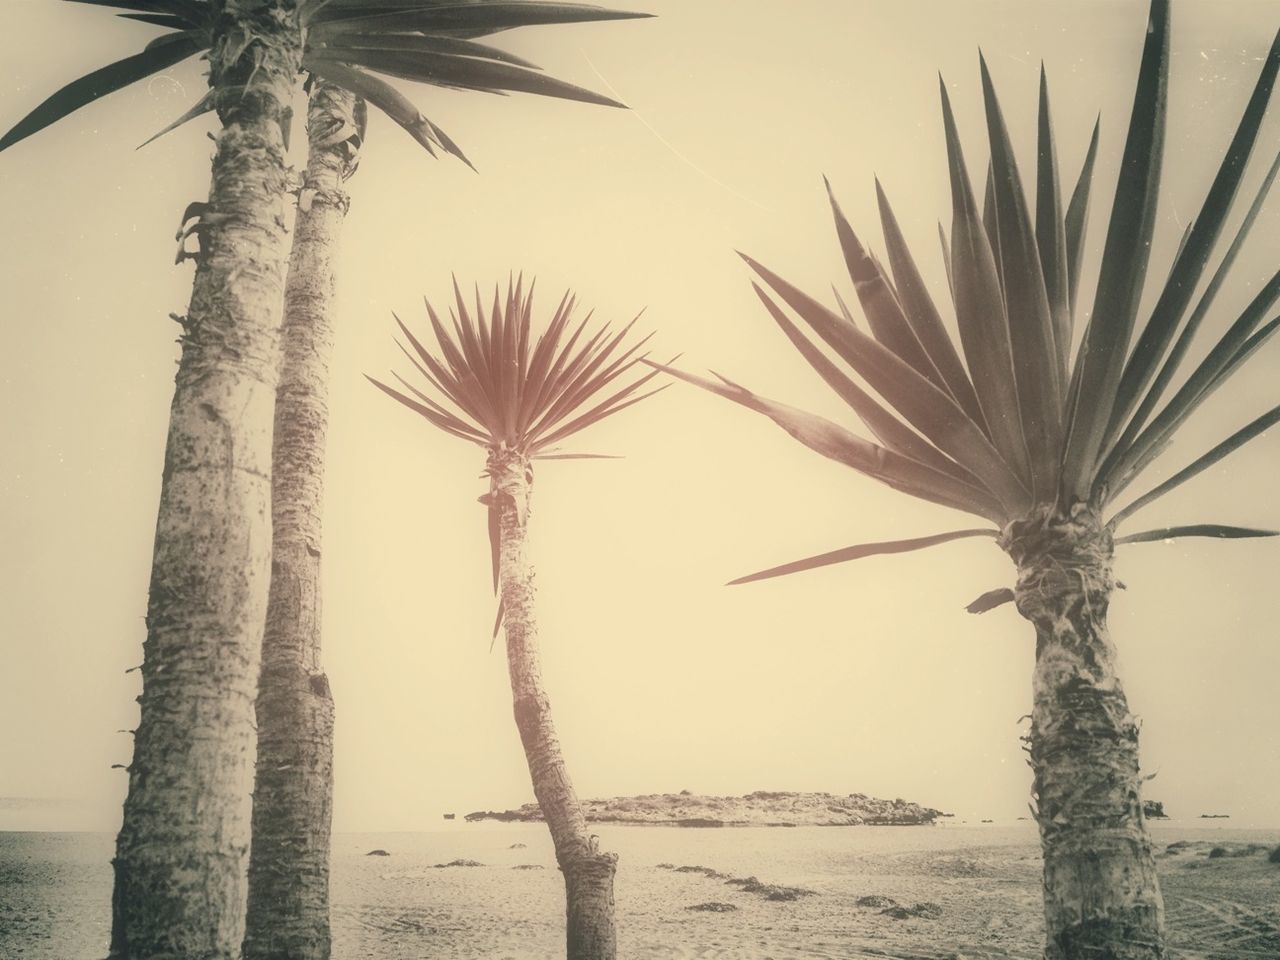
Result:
1101,897
288,907
180,855
591,932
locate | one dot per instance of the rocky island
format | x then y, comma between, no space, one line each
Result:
760,809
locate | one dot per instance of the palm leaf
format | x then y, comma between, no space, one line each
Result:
1196,530
456,71
1031,324
887,428
1201,463
202,106
1077,220
478,18
1100,362
990,600
836,443
193,13
879,301
923,315
859,551
1051,235
922,404
383,96
1174,360
175,48
1235,346
980,311
421,43
1193,257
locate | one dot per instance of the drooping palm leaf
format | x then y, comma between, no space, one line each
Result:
859,551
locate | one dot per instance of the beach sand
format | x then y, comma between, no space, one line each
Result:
966,891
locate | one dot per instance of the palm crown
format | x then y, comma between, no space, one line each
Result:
515,397
509,393
354,44
1011,424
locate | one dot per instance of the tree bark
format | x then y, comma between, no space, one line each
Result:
288,905
180,855
1101,895
591,932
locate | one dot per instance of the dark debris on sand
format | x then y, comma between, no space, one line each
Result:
925,911
769,891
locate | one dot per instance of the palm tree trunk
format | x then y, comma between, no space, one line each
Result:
180,855
288,907
1101,896
588,873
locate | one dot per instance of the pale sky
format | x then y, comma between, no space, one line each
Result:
865,677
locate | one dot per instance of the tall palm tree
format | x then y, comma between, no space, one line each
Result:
1041,444
289,857
179,861
188,800
518,400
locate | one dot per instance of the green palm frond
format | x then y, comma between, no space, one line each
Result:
356,44
496,388
1008,421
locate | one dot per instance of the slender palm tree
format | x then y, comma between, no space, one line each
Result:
518,400
288,902
1041,444
188,800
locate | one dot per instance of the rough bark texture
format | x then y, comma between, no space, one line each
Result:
1101,897
288,908
591,932
180,856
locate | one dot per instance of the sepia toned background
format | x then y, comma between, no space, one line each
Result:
866,677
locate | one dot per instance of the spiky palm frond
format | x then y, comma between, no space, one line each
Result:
497,388
356,44
1010,422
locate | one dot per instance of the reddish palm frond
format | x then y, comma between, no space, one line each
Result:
496,390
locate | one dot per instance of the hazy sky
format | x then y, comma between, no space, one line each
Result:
863,677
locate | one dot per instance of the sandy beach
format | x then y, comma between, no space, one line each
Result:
912,893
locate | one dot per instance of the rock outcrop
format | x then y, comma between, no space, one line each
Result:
760,809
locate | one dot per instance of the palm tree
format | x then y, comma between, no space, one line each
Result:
1041,445
289,857
188,801
517,401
